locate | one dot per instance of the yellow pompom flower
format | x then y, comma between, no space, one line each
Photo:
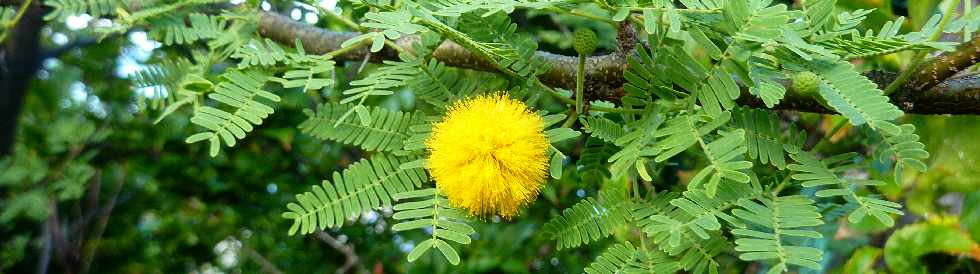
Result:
488,155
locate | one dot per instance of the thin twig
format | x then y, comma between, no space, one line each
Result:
347,250
92,244
267,266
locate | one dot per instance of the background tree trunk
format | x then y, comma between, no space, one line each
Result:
19,60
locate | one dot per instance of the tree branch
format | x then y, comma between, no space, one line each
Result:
267,266
604,76
18,62
946,65
347,250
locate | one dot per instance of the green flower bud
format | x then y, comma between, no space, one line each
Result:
585,41
806,82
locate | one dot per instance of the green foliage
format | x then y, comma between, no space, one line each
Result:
590,220
386,130
619,258
725,156
854,96
61,9
240,91
455,8
734,183
362,187
259,53
816,173
173,30
906,149
783,217
379,83
642,78
903,249
695,214
764,136
435,214
603,128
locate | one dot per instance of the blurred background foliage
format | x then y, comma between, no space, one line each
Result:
94,186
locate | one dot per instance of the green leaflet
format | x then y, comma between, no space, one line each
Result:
386,131
427,208
782,217
824,173
590,220
241,92
363,186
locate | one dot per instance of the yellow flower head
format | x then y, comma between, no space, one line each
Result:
488,155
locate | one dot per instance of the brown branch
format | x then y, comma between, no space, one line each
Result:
91,245
604,76
347,250
267,266
946,65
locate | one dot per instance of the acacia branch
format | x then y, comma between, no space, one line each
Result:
604,73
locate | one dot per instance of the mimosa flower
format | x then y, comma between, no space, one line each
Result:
489,155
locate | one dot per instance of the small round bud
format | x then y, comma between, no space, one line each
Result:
806,82
585,41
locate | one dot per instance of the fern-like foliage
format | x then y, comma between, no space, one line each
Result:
590,220
259,53
170,85
638,146
513,53
845,22
61,9
764,137
161,78
419,134
657,261
886,41
713,87
241,91
695,214
592,162
725,155
764,70
386,131
778,219
439,85
603,128
619,258
642,78
825,173
428,209
173,30
362,187
854,96
381,82
906,149
306,71
819,13
393,25
455,8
